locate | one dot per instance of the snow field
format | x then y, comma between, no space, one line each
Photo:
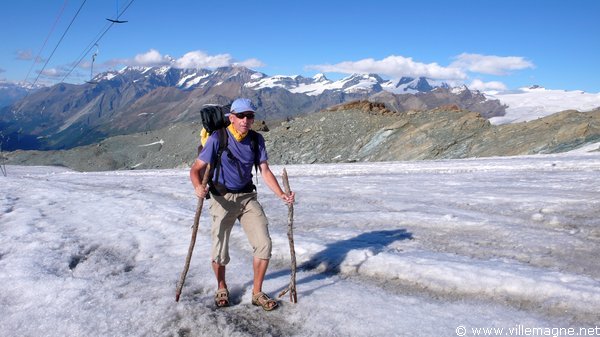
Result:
387,249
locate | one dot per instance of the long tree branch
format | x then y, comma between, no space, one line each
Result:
188,259
292,286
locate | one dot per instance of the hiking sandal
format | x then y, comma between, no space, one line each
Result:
263,300
222,298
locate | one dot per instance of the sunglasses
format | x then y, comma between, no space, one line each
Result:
244,115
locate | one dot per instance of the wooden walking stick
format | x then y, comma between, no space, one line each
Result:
194,232
2,159
292,287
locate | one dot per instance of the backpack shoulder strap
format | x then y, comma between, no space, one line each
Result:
223,142
254,146
255,149
223,139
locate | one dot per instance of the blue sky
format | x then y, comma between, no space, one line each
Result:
485,44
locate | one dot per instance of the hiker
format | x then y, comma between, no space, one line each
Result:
233,196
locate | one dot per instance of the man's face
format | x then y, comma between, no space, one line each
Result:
242,121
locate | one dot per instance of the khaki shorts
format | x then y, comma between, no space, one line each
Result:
244,207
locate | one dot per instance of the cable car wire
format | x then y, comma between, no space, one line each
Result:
37,57
59,41
93,43
116,20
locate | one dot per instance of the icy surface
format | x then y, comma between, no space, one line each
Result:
528,104
385,249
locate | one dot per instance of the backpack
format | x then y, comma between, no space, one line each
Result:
214,120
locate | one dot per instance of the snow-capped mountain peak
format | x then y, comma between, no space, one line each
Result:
11,92
459,90
359,83
188,79
410,85
320,77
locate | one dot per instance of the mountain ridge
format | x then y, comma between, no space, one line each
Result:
137,99
370,132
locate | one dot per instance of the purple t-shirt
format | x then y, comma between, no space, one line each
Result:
244,157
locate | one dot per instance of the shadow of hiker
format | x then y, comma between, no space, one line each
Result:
330,259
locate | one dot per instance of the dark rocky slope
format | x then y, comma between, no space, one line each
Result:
358,131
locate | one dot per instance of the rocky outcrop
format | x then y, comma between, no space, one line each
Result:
368,107
442,133
357,131
559,132
375,135
442,96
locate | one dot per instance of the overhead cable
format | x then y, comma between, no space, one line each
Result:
59,41
37,57
91,45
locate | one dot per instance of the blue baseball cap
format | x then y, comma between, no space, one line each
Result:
242,105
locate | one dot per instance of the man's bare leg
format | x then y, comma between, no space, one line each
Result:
220,275
260,269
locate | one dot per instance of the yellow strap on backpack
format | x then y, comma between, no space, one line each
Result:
203,136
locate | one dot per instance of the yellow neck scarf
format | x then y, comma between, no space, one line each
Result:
238,136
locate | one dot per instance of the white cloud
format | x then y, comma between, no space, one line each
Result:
53,72
482,86
24,55
251,63
193,59
490,64
199,59
395,67
151,58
